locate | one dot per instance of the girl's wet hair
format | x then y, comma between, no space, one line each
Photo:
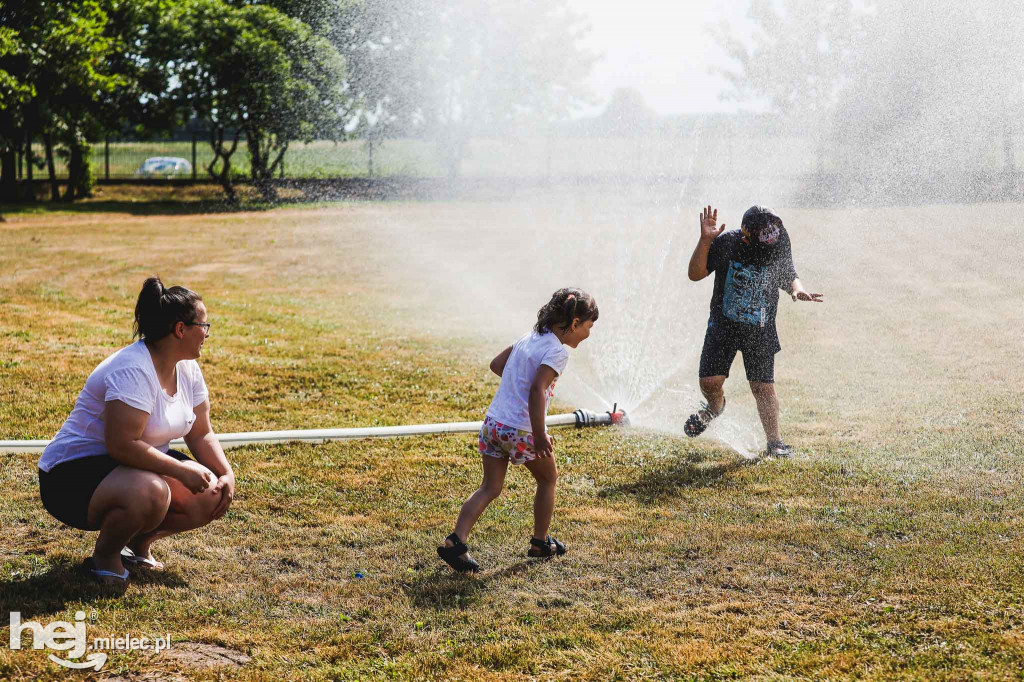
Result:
159,309
565,306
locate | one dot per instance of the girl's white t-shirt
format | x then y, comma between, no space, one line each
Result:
129,376
511,404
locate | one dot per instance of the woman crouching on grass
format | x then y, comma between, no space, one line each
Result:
110,467
515,430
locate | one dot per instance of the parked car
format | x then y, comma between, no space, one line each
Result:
164,167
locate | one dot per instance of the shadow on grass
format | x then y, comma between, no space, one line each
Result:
444,589
656,485
49,593
143,198
135,208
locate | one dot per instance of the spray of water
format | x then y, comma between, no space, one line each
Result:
491,265
831,123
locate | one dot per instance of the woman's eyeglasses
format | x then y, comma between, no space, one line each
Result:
204,325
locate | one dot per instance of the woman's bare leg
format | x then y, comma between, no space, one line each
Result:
187,511
127,502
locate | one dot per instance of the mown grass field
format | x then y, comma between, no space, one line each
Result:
890,547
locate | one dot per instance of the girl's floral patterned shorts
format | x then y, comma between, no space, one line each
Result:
499,440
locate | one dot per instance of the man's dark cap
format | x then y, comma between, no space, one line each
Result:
763,224
759,214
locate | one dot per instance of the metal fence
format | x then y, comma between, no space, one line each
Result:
527,156
522,156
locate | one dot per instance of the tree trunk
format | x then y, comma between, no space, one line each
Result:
229,192
30,193
223,154
457,144
266,182
267,190
1009,162
1009,158
261,146
9,175
79,176
51,168
74,160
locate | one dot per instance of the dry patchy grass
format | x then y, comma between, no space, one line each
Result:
889,549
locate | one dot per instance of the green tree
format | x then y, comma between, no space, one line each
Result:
382,49
460,68
139,103
252,70
911,99
381,44
492,67
935,98
321,16
452,70
14,92
63,52
799,60
627,114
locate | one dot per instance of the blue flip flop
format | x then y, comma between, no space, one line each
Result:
90,566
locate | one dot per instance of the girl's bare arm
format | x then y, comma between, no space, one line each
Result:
498,363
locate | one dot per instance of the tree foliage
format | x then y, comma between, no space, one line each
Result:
461,68
936,85
273,71
61,52
13,90
896,91
797,59
252,70
491,66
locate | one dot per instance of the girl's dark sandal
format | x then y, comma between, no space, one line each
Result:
549,546
453,555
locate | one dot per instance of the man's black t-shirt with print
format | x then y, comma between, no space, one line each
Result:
747,283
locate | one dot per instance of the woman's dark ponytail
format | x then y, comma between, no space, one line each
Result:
158,309
565,306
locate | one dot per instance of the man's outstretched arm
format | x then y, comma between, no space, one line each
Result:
797,291
708,219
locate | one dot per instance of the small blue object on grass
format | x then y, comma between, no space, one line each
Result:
359,574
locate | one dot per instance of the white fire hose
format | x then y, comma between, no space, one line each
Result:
579,419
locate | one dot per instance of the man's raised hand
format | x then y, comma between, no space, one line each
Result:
708,221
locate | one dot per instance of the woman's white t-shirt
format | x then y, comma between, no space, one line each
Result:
511,404
129,376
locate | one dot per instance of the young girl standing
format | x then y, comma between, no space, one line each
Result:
514,429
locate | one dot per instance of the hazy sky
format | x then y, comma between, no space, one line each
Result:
663,48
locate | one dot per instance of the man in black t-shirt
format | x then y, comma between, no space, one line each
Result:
750,265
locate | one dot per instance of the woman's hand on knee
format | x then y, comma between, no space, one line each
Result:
225,487
195,476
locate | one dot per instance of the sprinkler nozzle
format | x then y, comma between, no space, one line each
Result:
615,417
618,417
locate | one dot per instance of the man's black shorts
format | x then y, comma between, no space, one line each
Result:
721,345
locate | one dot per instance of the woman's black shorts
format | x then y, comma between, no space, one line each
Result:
721,346
67,488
